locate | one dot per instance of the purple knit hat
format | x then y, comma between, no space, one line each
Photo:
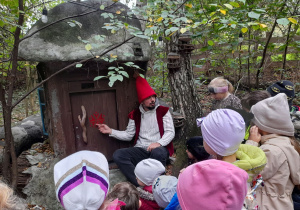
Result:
223,130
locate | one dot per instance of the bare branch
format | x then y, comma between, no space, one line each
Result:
180,6
37,5
48,25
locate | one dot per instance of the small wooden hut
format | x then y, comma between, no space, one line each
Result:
69,94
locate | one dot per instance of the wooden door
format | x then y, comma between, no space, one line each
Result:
101,107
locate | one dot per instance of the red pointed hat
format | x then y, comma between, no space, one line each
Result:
144,90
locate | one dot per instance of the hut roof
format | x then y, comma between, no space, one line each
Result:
65,40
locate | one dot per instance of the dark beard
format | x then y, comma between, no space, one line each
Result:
151,108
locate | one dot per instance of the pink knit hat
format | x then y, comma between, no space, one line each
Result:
223,130
212,184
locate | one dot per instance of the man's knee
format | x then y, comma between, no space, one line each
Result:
119,155
161,154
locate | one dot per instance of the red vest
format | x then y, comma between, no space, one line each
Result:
160,112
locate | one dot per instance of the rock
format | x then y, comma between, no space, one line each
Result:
60,42
115,176
26,133
41,189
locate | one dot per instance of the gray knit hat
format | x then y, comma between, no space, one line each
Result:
164,188
148,170
273,115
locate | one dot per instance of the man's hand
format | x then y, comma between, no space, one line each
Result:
104,128
254,134
153,146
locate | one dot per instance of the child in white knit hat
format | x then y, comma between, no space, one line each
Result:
223,131
146,172
81,180
274,131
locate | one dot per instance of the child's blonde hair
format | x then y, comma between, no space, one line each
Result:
8,200
221,82
127,193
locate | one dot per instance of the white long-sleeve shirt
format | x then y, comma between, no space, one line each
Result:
149,130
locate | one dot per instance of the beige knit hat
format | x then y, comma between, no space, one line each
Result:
273,115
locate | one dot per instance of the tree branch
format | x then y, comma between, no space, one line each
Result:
50,24
67,67
180,6
37,5
266,45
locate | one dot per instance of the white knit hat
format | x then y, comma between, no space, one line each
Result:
272,115
164,188
223,130
148,170
81,180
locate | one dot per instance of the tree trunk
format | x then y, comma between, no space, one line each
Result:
9,150
185,100
266,46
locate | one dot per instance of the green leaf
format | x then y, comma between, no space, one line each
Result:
102,7
255,27
112,67
142,36
170,30
260,10
253,15
71,24
203,49
210,42
235,4
114,78
252,24
283,21
78,65
119,77
244,1
98,37
99,77
110,84
129,63
124,73
88,47
228,6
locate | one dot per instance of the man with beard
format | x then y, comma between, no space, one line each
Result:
153,128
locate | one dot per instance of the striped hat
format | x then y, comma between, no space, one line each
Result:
81,180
